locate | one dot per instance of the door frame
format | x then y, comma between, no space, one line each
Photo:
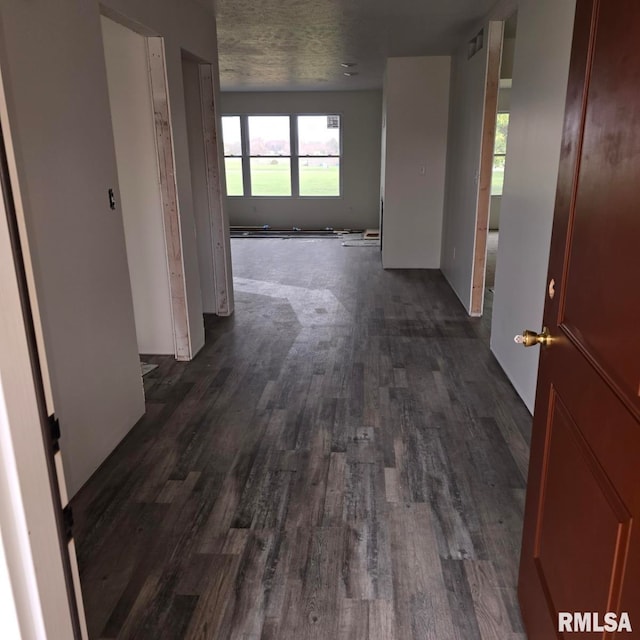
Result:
156,59
495,33
214,164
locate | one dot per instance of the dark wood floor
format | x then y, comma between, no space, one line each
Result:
344,460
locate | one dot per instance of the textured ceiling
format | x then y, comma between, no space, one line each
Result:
279,45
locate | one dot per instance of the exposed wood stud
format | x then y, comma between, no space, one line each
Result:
169,195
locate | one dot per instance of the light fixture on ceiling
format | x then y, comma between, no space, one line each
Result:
349,74
347,65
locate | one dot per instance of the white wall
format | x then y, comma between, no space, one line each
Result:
508,53
540,73
141,203
416,101
358,206
65,164
468,79
58,109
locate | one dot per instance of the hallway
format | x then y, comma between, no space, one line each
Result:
345,459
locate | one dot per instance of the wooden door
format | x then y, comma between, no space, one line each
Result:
581,541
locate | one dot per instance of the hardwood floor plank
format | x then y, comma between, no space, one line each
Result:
421,609
493,620
245,613
353,620
336,489
217,596
382,624
460,600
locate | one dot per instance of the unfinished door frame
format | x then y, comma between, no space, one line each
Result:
169,196
492,84
219,224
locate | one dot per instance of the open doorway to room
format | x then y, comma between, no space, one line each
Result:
205,164
500,151
492,165
144,155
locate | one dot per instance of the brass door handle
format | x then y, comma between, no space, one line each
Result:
531,338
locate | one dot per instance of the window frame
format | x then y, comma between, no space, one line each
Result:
294,157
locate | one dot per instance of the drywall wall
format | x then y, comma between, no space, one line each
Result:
416,95
58,112
540,73
195,137
468,78
358,206
141,204
66,163
504,100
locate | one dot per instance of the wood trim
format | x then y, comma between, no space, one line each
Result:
169,195
492,83
219,225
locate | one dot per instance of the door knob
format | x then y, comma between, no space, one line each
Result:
531,338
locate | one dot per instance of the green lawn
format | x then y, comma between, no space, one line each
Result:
270,179
233,169
319,181
275,179
497,180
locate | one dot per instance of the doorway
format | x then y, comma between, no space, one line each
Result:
205,163
492,166
500,151
144,147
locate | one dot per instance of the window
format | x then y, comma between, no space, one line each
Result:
282,155
232,140
319,155
499,154
270,155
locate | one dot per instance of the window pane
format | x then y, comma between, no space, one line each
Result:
270,176
233,171
231,136
319,176
502,129
319,135
269,136
497,176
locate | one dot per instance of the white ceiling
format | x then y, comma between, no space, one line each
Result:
280,45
